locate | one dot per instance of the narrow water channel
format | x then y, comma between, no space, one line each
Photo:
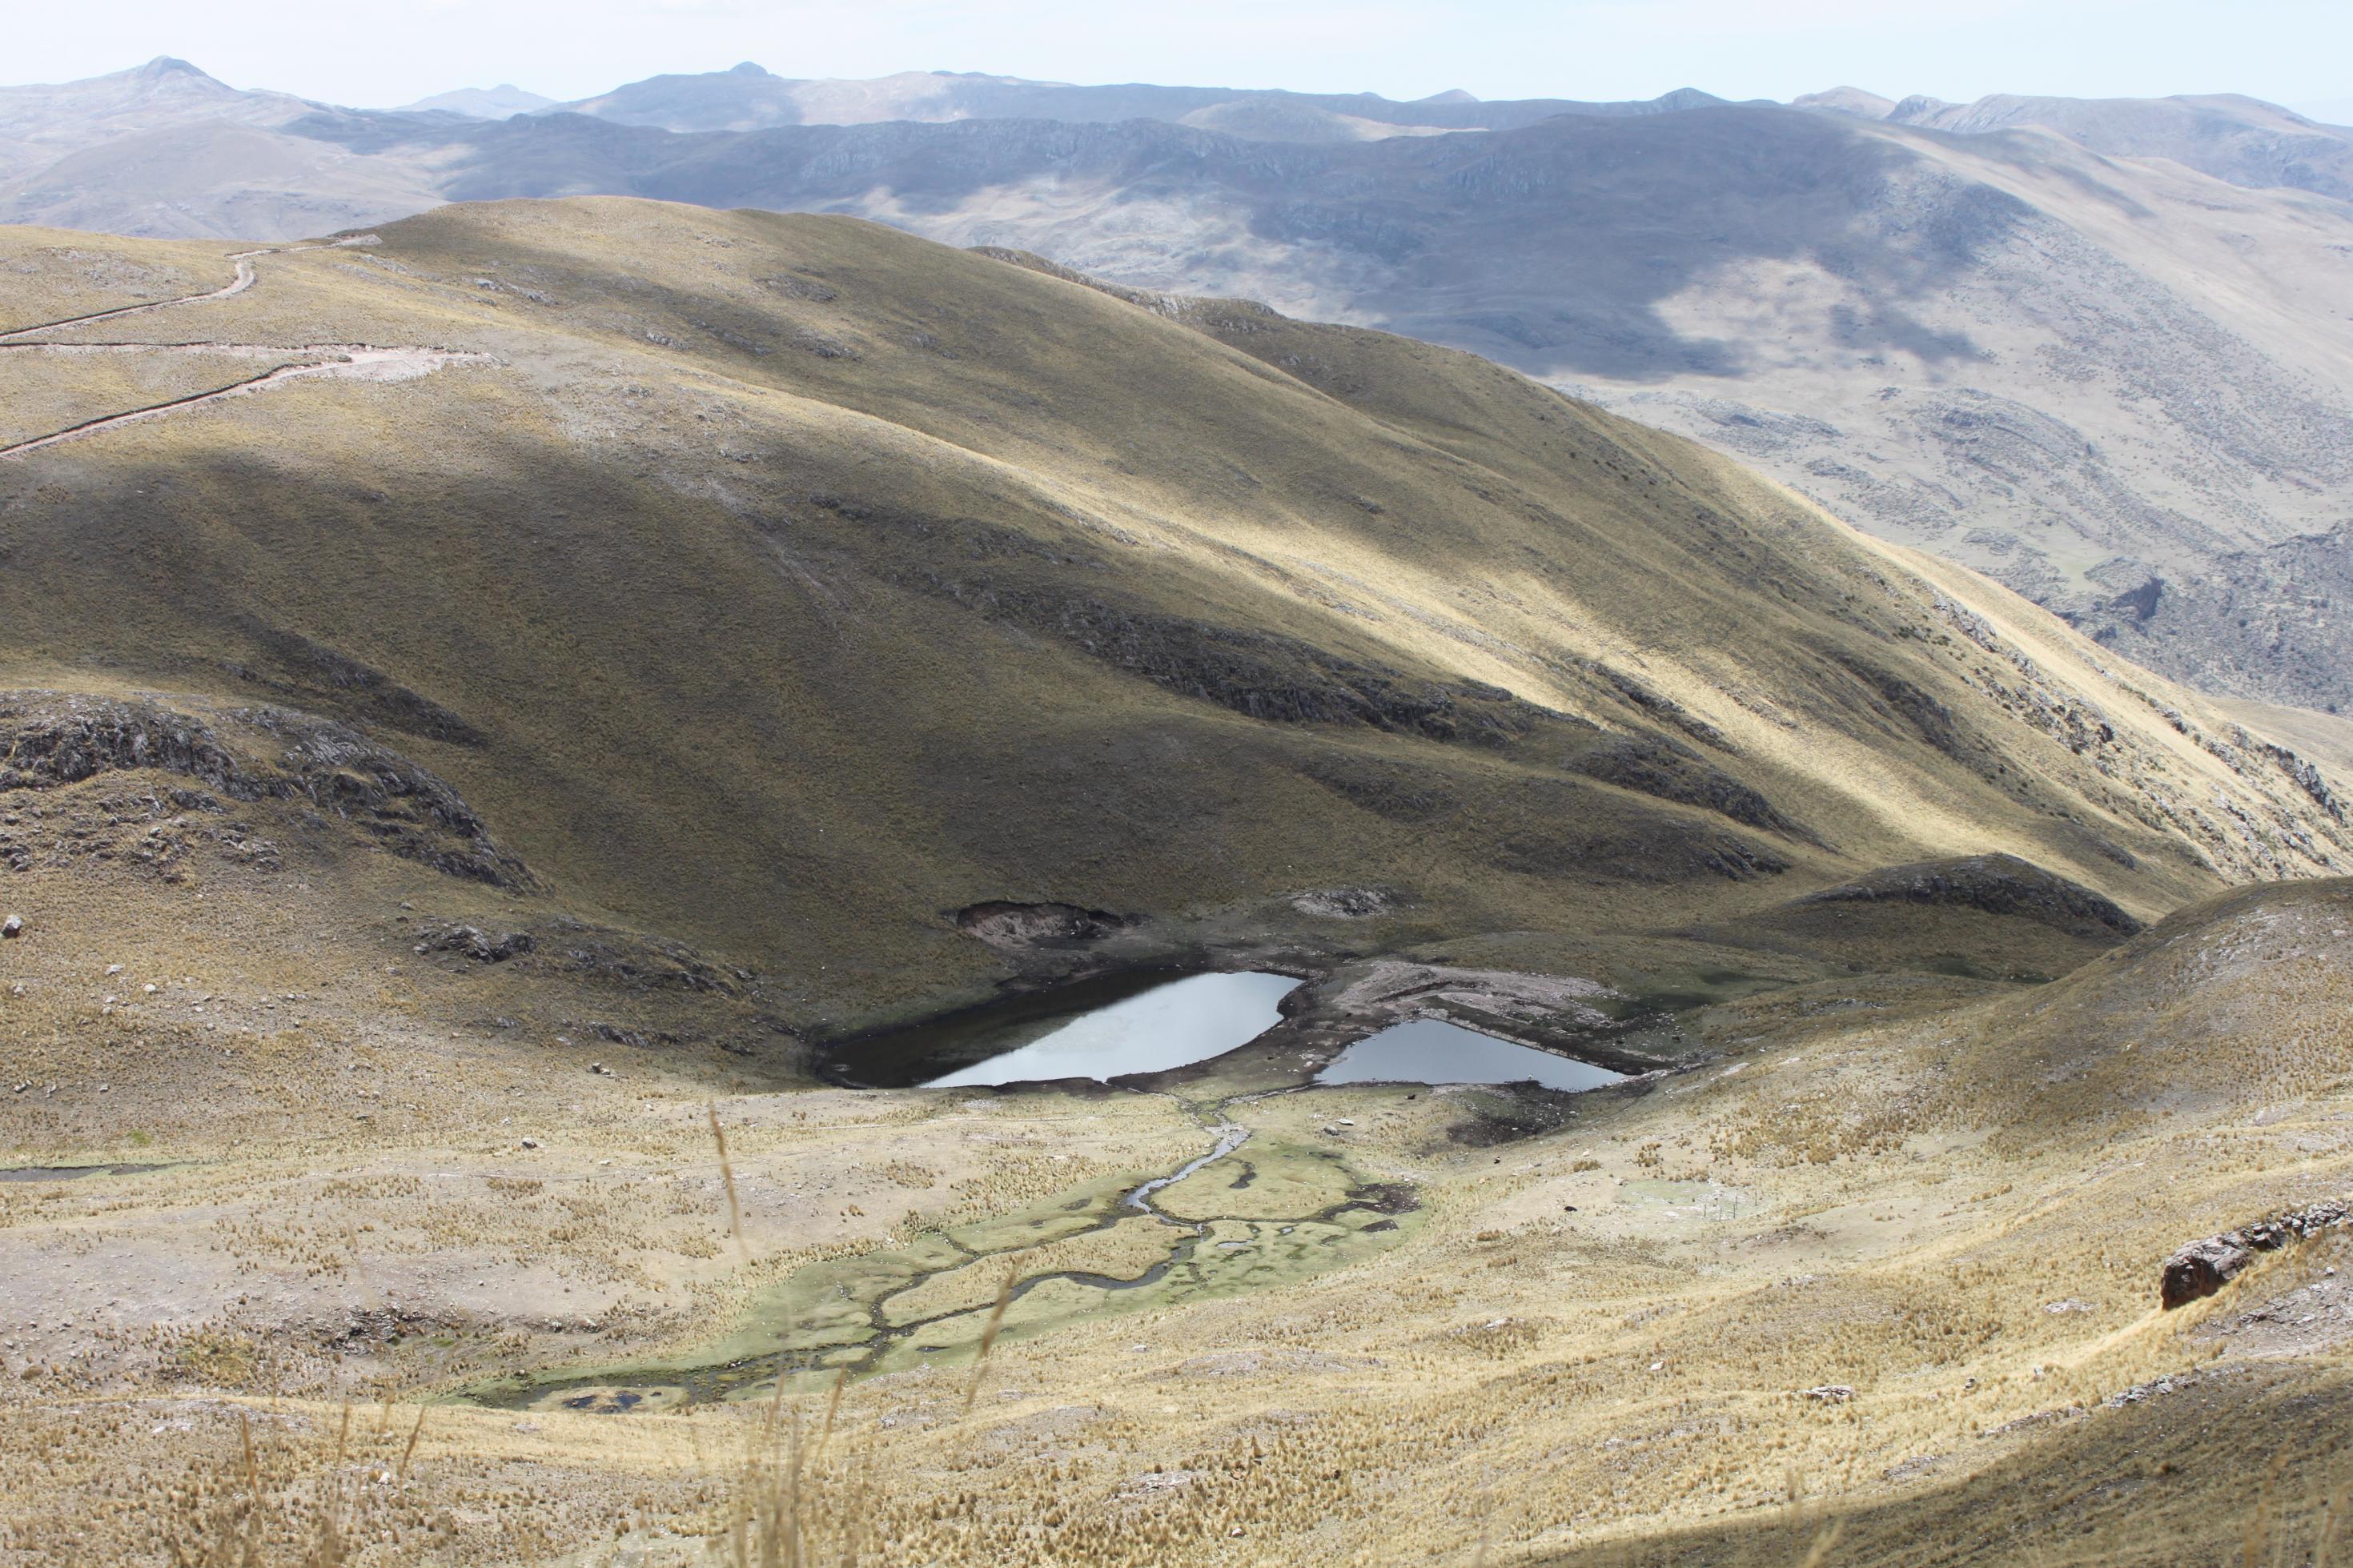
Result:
1191,1233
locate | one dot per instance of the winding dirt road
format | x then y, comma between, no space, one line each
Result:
363,361
236,284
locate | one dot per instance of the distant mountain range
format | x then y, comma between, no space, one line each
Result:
2243,140
501,102
749,98
2099,349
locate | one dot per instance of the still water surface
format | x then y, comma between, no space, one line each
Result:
1140,1023
1429,1051
1174,1023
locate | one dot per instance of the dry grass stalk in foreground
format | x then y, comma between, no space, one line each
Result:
988,1333
2333,1511
727,1178
1825,1542
786,1511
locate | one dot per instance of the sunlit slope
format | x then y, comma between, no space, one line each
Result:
55,273
785,584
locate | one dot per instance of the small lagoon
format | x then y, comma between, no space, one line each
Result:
1428,1050
1182,1021
1098,1029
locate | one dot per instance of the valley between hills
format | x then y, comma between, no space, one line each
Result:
505,714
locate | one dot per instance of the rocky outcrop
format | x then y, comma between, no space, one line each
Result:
1926,717
1022,928
1648,852
474,943
2203,1266
1284,679
1389,990
1345,903
635,962
1653,765
1656,704
47,740
50,739
1261,674
1996,884
1264,675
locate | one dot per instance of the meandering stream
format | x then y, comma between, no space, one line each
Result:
1110,1246
855,1313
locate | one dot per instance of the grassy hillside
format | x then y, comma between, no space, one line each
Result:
629,648
2089,348
783,584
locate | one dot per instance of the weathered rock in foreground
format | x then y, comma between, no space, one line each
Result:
2202,1268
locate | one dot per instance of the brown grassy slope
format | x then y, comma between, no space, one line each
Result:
1953,1209
1864,1191
790,581
54,273
1882,1184
2326,737
2141,1486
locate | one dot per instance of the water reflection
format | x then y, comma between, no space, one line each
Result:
1172,1023
1429,1051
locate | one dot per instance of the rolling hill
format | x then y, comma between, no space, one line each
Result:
2088,347
486,702
2120,389
750,97
1125,604
500,102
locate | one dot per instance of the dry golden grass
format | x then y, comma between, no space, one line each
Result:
788,501
759,726
1625,1383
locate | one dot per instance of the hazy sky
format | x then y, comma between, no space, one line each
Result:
390,51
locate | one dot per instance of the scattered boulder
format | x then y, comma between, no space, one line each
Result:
2139,1391
642,1039
1343,903
474,943
13,927
1155,1481
2203,1266
1011,927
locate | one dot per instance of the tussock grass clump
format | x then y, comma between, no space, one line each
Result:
275,1502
